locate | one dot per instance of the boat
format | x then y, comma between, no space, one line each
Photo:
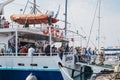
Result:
20,66
112,56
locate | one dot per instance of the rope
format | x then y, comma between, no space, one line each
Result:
92,24
25,6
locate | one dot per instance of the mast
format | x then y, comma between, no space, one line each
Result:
66,18
99,21
34,7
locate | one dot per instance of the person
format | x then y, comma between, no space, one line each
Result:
94,57
3,20
47,50
101,58
31,50
67,49
53,49
9,50
40,50
24,50
61,52
88,55
1,52
45,45
74,51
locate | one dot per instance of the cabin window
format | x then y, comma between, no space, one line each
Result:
21,64
33,65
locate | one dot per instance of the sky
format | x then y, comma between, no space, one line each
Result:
80,16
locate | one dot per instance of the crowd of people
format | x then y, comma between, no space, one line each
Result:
85,55
81,54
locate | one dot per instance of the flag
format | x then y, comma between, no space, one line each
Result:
56,15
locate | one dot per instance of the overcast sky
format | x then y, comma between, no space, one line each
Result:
80,16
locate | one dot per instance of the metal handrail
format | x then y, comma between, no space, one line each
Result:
26,54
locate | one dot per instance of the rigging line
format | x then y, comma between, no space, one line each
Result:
92,24
73,20
86,37
25,6
33,3
36,10
77,34
25,10
36,6
75,27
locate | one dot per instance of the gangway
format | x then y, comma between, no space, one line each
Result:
96,68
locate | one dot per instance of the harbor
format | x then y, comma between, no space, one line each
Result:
40,40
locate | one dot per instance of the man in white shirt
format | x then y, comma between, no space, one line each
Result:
31,50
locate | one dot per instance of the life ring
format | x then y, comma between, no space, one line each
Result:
46,31
57,33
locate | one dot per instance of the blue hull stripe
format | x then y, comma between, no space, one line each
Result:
22,73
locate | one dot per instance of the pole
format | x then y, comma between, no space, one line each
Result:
66,19
50,40
16,40
0,21
99,26
50,36
34,7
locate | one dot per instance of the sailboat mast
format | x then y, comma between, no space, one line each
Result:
99,21
66,1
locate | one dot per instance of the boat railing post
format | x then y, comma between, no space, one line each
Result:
50,40
16,41
50,14
0,21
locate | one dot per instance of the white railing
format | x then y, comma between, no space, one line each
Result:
26,54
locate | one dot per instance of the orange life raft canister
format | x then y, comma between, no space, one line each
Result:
31,18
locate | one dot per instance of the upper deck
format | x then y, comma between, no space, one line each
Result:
31,34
